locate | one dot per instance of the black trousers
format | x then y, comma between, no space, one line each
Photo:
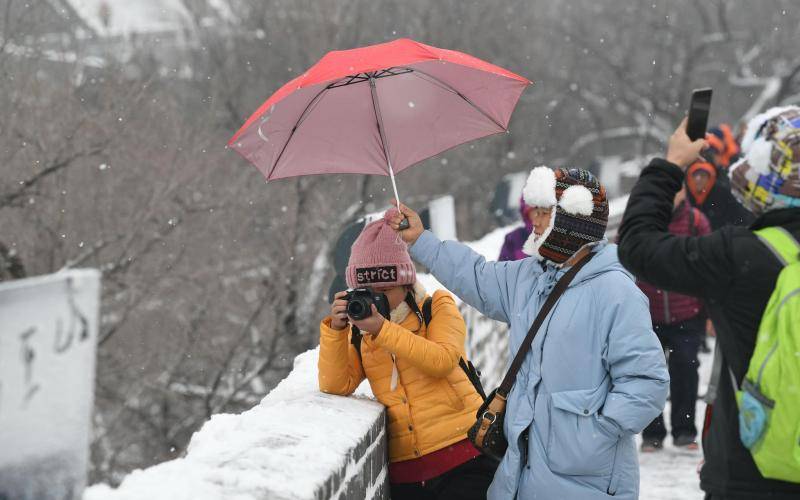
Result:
682,340
468,481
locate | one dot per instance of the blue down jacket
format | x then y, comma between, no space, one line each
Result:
596,374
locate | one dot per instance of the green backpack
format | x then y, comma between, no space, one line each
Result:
769,397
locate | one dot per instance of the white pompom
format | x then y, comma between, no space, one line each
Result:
577,200
759,156
540,188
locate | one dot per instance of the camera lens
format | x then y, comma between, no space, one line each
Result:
358,308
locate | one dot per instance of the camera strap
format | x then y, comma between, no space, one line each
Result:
412,304
355,339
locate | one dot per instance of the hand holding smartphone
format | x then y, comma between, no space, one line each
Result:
683,148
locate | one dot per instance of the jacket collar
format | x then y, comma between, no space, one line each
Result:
400,313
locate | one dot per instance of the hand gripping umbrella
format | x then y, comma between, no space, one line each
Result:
377,110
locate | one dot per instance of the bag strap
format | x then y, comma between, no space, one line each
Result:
558,290
427,313
781,243
473,375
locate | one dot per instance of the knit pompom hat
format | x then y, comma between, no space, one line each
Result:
379,257
579,216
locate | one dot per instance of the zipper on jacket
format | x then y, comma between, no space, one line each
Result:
666,308
764,364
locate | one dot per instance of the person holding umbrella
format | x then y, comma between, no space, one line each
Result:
412,365
595,375
378,110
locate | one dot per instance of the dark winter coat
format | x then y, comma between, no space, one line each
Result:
668,308
735,274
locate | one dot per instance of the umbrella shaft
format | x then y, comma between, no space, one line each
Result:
394,186
376,107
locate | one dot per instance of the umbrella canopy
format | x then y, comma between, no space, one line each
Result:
377,110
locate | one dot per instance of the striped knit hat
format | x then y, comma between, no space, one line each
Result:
580,213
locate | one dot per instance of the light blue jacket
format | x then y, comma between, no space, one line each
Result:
596,374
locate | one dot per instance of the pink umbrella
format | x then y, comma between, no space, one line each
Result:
377,110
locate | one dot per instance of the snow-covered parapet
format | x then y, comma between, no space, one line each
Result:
298,443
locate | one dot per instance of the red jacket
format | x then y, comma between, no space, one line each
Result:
668,308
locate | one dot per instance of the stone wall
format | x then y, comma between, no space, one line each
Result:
297,444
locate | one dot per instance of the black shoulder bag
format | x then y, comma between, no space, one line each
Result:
487,432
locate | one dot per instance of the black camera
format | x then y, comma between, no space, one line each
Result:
360,300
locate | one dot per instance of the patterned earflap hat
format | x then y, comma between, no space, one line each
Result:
767,177
579,216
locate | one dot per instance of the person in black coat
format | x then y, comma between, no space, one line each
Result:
733,272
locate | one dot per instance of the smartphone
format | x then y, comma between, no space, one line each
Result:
698,114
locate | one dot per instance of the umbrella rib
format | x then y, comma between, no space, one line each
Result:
456,92
305,112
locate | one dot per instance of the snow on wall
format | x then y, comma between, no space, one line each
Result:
298,443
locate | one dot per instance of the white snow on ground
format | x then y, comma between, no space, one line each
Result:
671,474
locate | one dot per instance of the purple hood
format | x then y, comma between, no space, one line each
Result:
512,246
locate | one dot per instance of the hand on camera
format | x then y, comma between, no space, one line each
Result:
415,228
681,150
339,318
372,323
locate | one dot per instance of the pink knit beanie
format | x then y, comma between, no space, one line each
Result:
380,257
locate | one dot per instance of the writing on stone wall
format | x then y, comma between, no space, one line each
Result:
48,335
66,334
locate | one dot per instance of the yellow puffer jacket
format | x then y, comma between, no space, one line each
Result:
433,404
